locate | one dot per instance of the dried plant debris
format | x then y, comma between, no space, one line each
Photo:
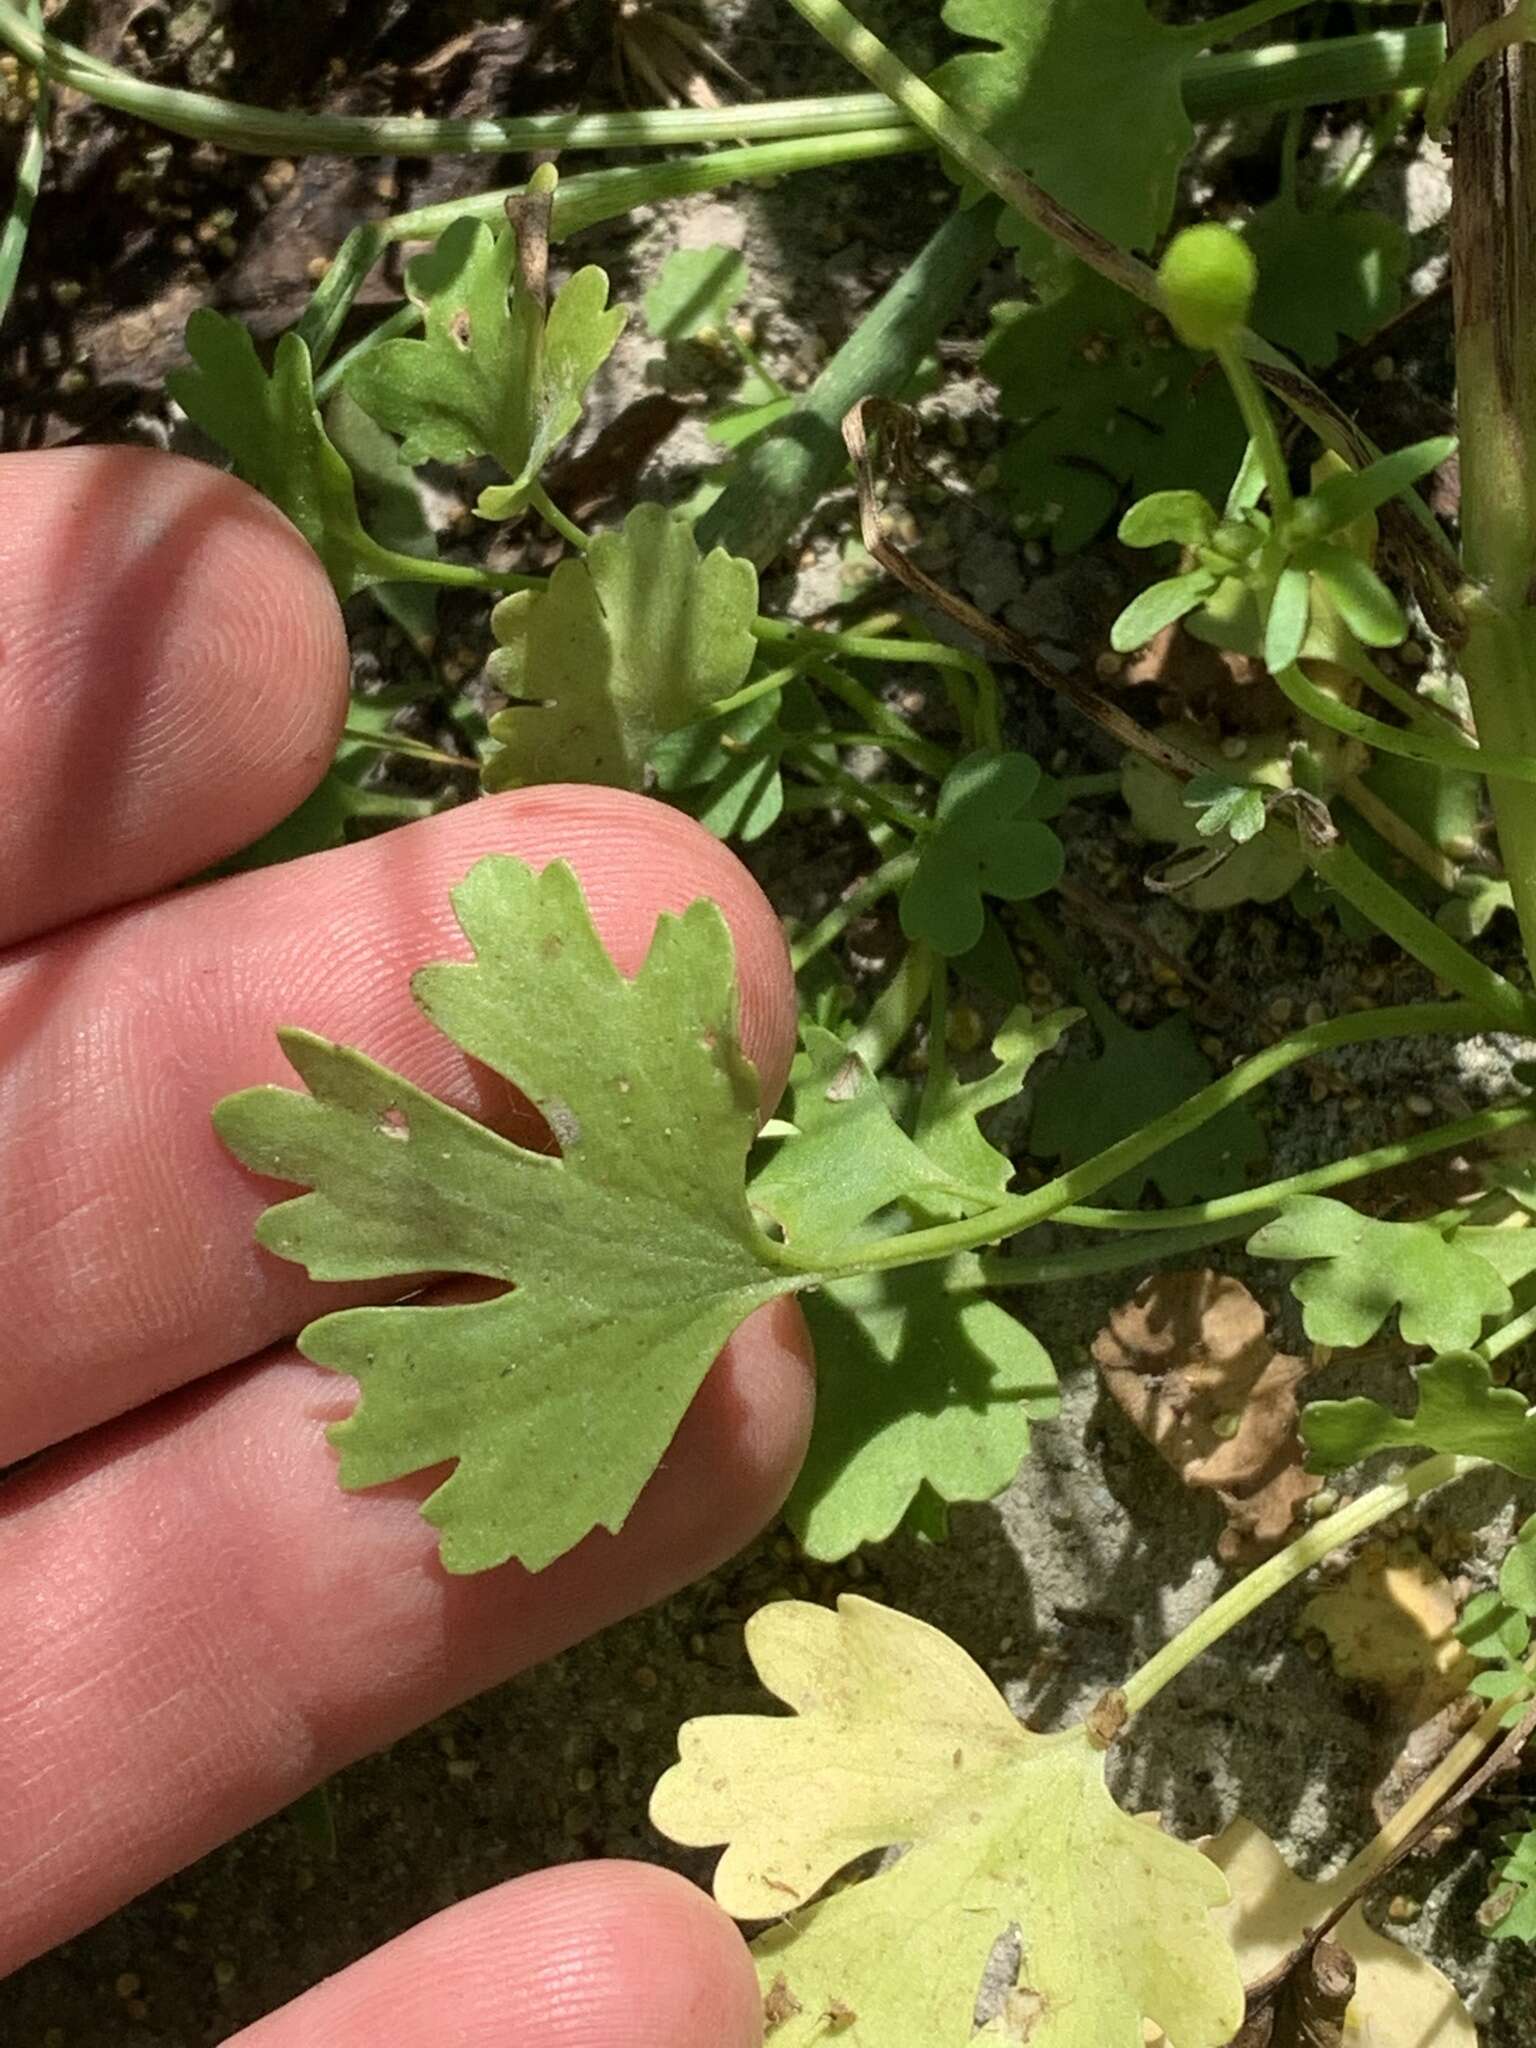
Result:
1189,1361
1390,1624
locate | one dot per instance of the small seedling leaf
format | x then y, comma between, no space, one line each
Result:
633,640
1235,808
1349,495
1182,516
1363,601
271,428
1103,399
494,375
1084,1106
1324,275
1285,629
1062,86
897,1737
1159,605
1360,1269
925,1390
625,1262
1460,1410
984,842
1258,871
695,289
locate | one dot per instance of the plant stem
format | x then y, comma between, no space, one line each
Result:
896,1009
1281,75
765,686
1391,739
1225,28
891,728
1115,1257
551,514
863,646
1422,715
1040,1205
415,750
788,471
1503,1006
405,320
882,883
1260,422
29,177
1292,1563
1399,834
1251,1202
1424,1800
1332,68
1509,1334
1493,264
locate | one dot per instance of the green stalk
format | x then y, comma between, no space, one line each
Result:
896,1009
1292,1563
1286,75
29,177
1242,21
787,472
1503,1007
1260,422
1282,75
893,875
553,517
1460,755
1094,1259
1509,1334
890,728
1493,263
1042,1204
1248,1203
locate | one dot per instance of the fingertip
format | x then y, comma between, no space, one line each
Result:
636,858
582,1957
173,647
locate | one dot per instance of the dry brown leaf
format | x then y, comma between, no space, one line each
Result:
1390,1624
1196,680
1189,1361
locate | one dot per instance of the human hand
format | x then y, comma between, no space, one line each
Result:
197,1624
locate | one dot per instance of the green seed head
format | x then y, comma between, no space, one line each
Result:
1208,278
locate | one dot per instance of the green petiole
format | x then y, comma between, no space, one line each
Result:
1292,1563
1250,1202
1042,1204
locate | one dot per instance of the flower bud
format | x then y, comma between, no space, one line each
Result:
1208,278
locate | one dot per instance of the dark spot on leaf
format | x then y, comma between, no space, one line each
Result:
844,1084
551,946
779,2003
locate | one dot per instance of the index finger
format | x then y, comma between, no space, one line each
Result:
173,676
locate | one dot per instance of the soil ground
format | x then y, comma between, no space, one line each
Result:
1096,1554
